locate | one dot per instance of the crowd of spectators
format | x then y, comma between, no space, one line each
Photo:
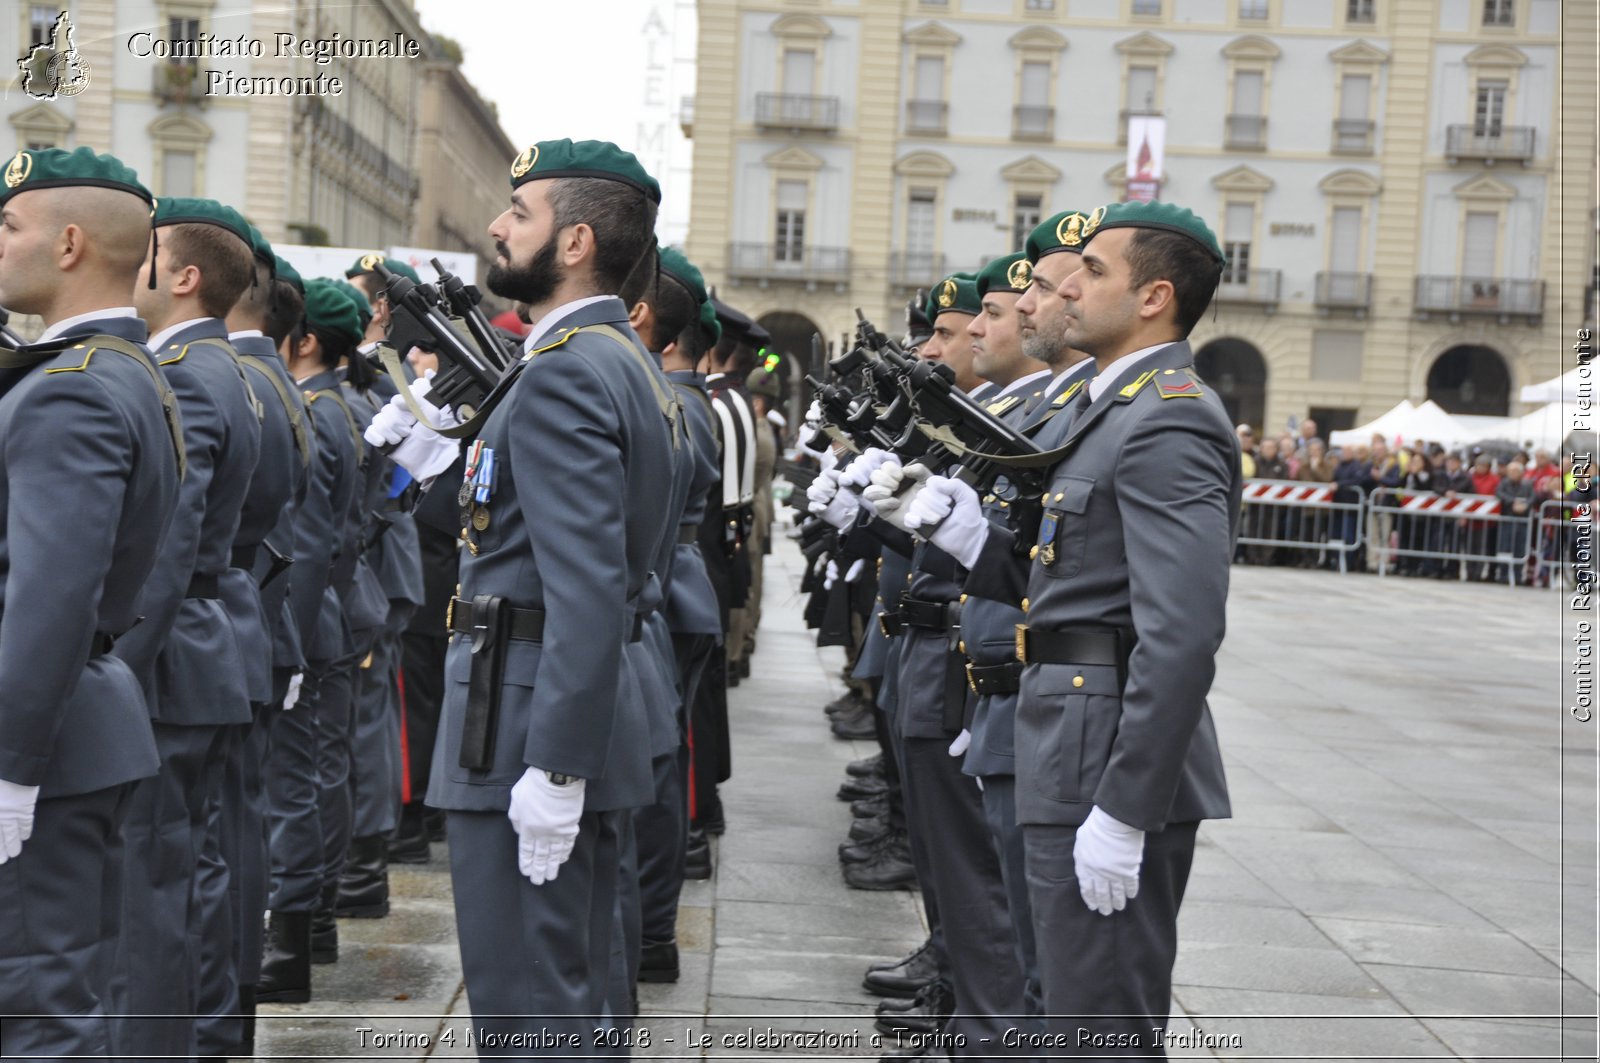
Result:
1442,544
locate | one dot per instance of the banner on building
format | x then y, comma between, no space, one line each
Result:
1147,143
333,261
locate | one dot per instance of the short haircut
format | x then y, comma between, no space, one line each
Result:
675,310
692,342
640,281
285,310
1155,254
255,302
622,217
223,259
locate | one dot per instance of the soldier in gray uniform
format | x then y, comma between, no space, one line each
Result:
185,652
91,439
543,745
1117,755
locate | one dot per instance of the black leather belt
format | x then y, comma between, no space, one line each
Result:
526,624
101,644
201,586
688,534
985,679
934,616
892,623
244,557
1095,646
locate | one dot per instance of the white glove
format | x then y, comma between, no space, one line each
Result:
777,419
893,487
947,513
418,449
963,740
856,569
16,817
292,698
832,576
859,474
836,507
545,817
1106,856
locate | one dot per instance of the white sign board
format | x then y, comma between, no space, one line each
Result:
312,262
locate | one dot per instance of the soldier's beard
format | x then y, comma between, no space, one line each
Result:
534,283
1042,344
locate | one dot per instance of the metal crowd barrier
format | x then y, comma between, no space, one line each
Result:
1554,543
1319,518
1430,534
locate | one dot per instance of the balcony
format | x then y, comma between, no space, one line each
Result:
782,110
1512,143
783,262
1344,291
1353,136
1246,132
1498,297
180,83
1254,287
1033,123
1137,112
927,118
916,269
686,116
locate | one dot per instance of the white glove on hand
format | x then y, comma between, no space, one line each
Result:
1106,856
856,569
859,474
292,698
836,507
963,740
832,576
545,817
16,817
418,449
893,489
948,514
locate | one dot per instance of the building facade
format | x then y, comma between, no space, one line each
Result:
1404,188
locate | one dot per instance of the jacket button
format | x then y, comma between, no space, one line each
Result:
1025,605
1077,680
1033,553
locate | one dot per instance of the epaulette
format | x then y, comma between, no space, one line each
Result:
74,368
999,407
311,396
174,361
565,336
1186,387
1139,382
1068,395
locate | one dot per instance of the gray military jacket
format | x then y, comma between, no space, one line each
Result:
1139,521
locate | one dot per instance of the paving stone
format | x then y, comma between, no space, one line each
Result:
1434,946
1229,923
1480,1038
1320,971
1435,991
765,973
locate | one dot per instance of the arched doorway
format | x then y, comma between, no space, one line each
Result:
791,341
1471,379
1238,373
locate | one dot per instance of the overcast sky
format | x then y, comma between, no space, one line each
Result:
586,69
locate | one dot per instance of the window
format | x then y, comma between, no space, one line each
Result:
920,226
1489,110
789,245
1240,223
1151,8
183,29
926,110
177,173
1335,355
1359,11
1035,84
1344,249
1353,130
1041,5
1499,13
1035,119
41,145
41,20
1247,92
1141,89
1026,213
1478,239
929,78
799,71
1253,10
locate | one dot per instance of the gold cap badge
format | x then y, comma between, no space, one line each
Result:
947,294
18,169
524,162
371,262
1020,274
1069,231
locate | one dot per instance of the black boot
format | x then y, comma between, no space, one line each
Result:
433,818
697,857
889,870
856,788
410,842
893,842
868,767
364,885
905,977
286,965
658,961
247,1023
926,1012
325,928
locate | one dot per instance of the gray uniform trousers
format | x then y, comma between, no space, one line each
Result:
294,816
375,757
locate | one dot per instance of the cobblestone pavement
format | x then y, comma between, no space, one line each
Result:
1410,873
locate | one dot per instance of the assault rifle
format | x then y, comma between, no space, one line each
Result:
467,374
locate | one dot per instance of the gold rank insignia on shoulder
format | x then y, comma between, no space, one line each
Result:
1140,381
1068,395
525,162
1000,406
18,169
1183,386
1019,274
947,293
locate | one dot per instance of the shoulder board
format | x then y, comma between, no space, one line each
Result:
311,396
1069,394
175,358
999,407
565,336
88,352
1138,384
1182,385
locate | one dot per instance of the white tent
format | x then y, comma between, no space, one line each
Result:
1545,427
1387,424
1563,388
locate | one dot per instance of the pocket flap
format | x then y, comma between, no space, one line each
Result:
1070,494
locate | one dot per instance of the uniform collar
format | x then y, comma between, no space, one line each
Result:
1027,381
1120,367
194,329
246,333
74,323
540,333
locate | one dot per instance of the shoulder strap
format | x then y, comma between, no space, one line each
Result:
296,411
244,378
667,400
336,392
169,401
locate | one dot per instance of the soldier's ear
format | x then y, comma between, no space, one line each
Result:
1159,298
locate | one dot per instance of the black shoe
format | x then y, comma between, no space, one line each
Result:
847,704
697,857
875,838
433,819
286,962
870,807
856,789
927,1012
744,663
905,977
888,872
893,842
855,729
866,827
410,842
733,676
711,819
364,884
658,961
325,928
866,768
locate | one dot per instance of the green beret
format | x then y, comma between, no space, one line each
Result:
1066,231
1167,216
761,382
357,297
260,248
680,269
180,210
709,323
368,263
286,272
1008,273
55,168
957,293
583,158
331,310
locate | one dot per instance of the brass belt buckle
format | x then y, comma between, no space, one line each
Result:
883,626
1022,643
450,617
972,682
